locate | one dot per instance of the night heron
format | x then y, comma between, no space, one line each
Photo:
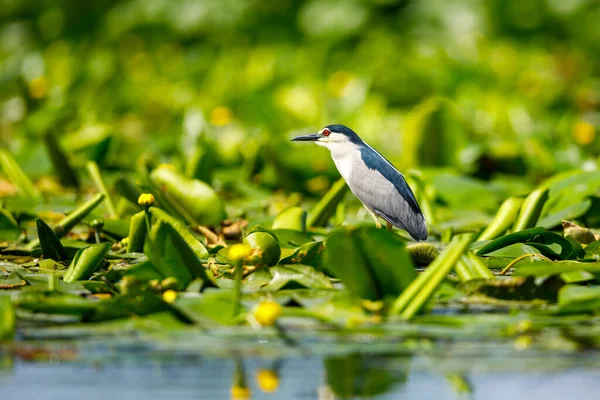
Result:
374,180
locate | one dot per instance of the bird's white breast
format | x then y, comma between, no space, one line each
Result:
345,157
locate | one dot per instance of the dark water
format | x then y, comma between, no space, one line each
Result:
60,371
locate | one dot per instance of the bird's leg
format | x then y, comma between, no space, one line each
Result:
389,226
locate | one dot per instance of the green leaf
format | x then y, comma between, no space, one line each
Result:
173,257
434,133
574,299
194,197
459,191
201,162
7,318
290,238
309,254
344,259
292,218
143,271
531,210
507,213
161,251
391,263
137,233
96,176
214,305
74,217
416,295
545,268
506,240
86,262
54,302
304,275
254,281
325,208
126,188
577,277
371,262
141,301
9,227
116,228
50,244
354,376
553,245
568,213
592,251
60,160
198,248
18,178
513,251
569,188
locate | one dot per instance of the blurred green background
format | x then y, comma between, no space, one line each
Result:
488,89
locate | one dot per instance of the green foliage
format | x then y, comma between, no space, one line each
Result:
370,262
492,116
197,198
50,244
173,257
356,376
86,261
17,176
7,318
198,248
293,218
303,275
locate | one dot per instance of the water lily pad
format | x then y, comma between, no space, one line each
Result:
573,299
506,240
304,275
371,262
195,197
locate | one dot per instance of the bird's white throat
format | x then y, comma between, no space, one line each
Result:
344,156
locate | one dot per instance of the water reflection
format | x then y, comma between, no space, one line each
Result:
358,376
59,372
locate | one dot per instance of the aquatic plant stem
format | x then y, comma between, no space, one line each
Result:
65,225
421,289
96,176
521,258
237,289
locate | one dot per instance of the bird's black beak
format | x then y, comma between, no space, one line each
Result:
307,138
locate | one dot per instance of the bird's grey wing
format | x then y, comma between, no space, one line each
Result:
382,195
375,161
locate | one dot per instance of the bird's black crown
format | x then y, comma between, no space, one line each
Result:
344,130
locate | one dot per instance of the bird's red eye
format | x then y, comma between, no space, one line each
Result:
326,132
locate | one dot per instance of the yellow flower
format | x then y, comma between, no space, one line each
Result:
240,393
584,133
239,251
146,199
169,283
524,326
523,342
373,306
38,87
267,380
267,312
170,296
220,116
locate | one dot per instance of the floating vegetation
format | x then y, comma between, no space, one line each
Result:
150,195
